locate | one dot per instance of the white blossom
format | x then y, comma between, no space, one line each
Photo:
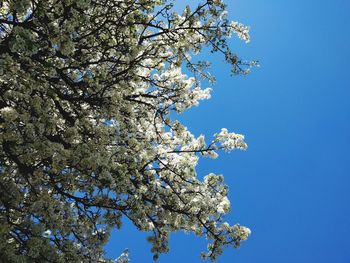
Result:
47,233
223,206
124,257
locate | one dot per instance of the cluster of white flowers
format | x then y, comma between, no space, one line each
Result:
184,92
230,141
99,231
198,94
224,206
241,30
242,232
124,257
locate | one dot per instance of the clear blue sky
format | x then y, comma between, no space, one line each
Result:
292,186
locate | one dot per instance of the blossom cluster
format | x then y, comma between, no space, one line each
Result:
241,30
230,141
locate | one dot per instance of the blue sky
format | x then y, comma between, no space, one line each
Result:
292,186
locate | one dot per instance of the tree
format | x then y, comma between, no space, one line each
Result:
89,89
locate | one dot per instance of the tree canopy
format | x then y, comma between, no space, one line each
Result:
89,94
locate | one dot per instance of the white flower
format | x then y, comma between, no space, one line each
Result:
223,15
223,206
242,232
99,231
47,233
10,240
150,225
